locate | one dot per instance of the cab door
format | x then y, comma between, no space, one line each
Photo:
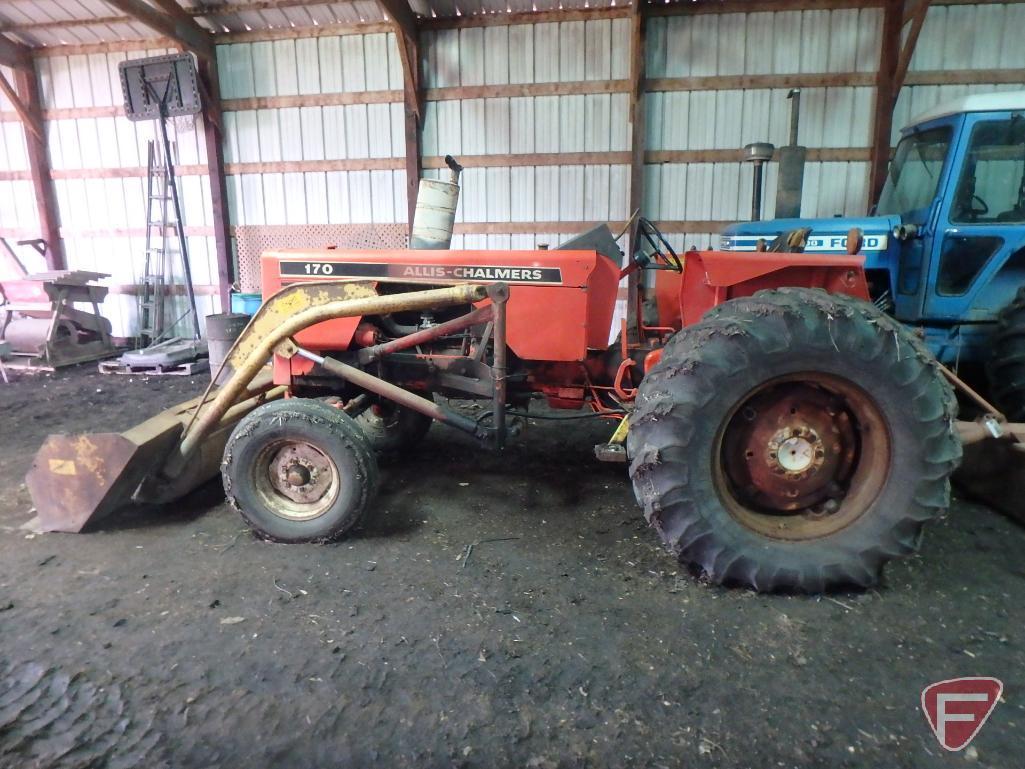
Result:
978,253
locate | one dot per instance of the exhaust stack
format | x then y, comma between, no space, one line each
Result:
435,215
790,184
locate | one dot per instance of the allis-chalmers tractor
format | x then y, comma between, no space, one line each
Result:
781,431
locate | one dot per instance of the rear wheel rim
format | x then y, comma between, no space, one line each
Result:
296,480
802,457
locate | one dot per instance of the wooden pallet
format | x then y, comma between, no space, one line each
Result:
189,368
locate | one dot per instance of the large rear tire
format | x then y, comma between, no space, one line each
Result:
299,470
1006,367
794,440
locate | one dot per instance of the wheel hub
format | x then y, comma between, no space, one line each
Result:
796,452
301,473
791,447
298,475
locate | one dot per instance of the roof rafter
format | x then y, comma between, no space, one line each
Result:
401,15
14,54
178,26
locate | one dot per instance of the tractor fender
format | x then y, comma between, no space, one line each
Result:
713,277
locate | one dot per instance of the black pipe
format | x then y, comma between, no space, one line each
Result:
499,294
756,193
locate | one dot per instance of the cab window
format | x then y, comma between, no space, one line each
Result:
915,171
991,188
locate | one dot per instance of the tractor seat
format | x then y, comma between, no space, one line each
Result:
1016,214
598,239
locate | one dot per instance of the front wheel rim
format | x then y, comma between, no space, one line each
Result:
296,480
802,457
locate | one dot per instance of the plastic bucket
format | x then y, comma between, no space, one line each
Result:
247,304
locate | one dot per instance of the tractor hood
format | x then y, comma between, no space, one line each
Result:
828,236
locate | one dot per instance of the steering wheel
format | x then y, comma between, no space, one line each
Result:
983,208
654,237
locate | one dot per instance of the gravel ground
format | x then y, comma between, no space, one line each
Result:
565,637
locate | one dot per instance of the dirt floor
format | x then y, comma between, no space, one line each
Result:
564,638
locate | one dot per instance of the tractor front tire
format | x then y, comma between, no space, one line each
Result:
299,470
792,441
1006,367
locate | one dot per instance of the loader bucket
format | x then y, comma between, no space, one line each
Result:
993,472
76,479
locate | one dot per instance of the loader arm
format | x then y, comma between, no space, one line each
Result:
76,480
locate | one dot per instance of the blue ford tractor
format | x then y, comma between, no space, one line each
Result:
944,247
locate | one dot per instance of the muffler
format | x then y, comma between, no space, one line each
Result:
435,215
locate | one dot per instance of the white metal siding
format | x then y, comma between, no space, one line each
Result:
962,37
17,200
98,209
323,65
102,214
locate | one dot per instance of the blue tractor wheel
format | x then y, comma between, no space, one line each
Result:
1006,368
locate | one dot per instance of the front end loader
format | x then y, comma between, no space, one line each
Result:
781,431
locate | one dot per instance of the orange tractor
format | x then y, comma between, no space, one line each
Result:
781,431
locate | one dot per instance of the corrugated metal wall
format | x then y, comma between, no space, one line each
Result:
368,134
806,42
17,201
98,164
314,127
962,37
566,52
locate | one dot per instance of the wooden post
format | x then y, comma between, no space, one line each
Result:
213,130
638,36
39,167
407,36
413,108
882,124
894,60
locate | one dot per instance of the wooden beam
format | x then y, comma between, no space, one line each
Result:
437,162
885,96
407,37
701,7
908,50
710,83
213,10
39,167
28,118
524,17
413,108
751,82
638,36
894,61
314,100
213,134
184,32
176,12
402,17
15,55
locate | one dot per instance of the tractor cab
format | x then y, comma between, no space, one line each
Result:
945,248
